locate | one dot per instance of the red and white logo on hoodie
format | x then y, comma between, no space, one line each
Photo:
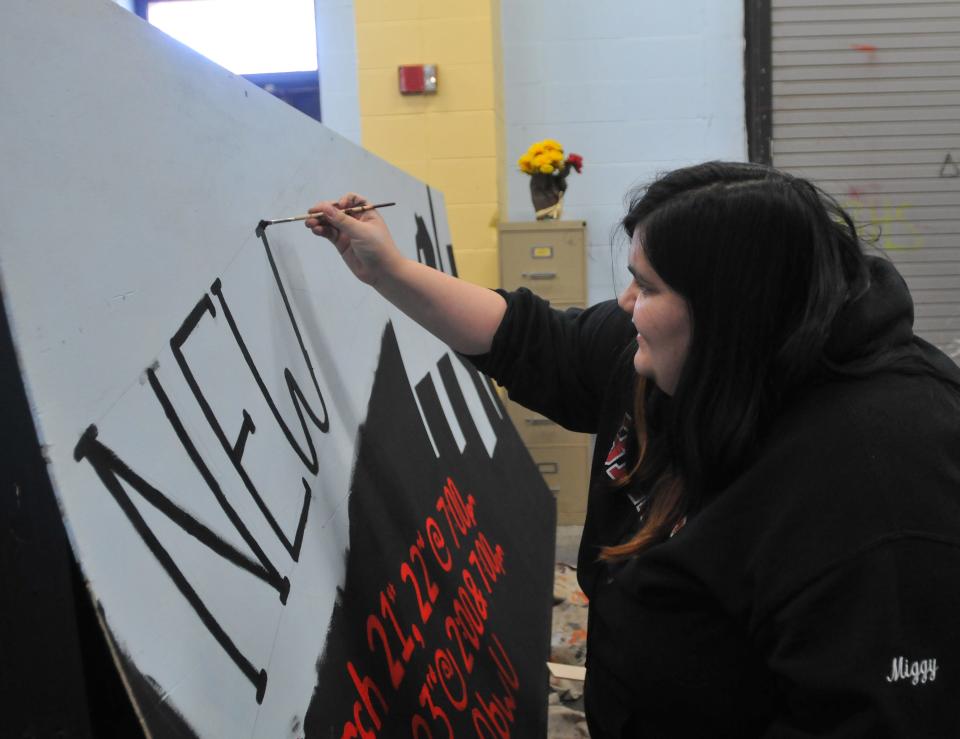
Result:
616,462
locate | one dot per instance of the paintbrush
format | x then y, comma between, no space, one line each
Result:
319,216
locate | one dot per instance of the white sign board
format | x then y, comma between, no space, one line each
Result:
200,390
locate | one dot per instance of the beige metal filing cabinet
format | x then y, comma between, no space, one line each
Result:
549,258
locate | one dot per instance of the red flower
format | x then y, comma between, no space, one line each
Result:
575,161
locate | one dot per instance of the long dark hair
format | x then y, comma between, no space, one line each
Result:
765,261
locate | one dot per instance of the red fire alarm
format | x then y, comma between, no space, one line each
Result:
417,79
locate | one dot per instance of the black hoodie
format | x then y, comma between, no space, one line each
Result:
819,594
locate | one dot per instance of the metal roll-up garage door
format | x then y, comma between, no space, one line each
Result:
866,102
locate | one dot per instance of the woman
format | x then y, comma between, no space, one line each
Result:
772,540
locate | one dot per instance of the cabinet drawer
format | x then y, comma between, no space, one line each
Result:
535,430
549,261
565,469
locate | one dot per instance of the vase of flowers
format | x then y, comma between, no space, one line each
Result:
548,168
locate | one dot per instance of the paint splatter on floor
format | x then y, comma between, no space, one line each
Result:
568,645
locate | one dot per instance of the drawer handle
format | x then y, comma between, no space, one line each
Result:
539,275
548,468
538,422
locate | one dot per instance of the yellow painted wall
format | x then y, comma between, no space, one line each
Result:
452,140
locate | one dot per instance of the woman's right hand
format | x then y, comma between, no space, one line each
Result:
462,315
363,239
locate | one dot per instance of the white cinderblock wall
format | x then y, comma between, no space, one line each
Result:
337,65
634,86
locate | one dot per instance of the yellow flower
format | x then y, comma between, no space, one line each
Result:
542,157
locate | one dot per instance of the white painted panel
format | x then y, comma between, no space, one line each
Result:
782,4
871,87
864,101
939,63
833,143
852,132
930,158
856,37
135,173
863,12
907,23
928,183
854,114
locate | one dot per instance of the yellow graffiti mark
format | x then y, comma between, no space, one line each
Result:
873,218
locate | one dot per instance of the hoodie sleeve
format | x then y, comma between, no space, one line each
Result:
557,363
872,648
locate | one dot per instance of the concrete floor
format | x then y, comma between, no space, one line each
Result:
568,542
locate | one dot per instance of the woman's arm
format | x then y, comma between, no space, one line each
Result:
463,315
